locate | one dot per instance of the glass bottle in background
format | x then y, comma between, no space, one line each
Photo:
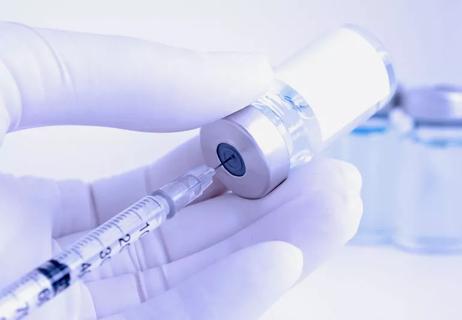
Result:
371,147
428,216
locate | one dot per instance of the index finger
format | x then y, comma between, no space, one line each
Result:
64,77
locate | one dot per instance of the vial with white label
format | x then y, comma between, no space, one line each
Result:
320,93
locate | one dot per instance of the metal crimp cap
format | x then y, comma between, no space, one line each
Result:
253,153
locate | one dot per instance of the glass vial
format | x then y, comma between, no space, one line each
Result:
320,93
429,217
372,147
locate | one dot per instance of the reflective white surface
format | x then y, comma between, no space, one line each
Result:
376,283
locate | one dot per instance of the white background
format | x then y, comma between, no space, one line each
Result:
424,40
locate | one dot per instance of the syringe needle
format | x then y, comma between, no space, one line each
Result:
222,163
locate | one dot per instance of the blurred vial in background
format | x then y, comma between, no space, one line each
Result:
371,148
428,215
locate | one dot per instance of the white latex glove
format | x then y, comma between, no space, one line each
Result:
223,258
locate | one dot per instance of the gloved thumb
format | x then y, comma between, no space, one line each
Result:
85,79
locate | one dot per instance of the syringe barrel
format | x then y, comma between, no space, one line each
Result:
100,245
84,256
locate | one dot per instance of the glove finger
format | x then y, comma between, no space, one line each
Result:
318,223
240,286
326,192
323,196
84,206
131,186
78,78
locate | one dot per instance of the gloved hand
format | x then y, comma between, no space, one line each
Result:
222,258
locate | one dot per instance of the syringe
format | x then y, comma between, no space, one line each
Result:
100,245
